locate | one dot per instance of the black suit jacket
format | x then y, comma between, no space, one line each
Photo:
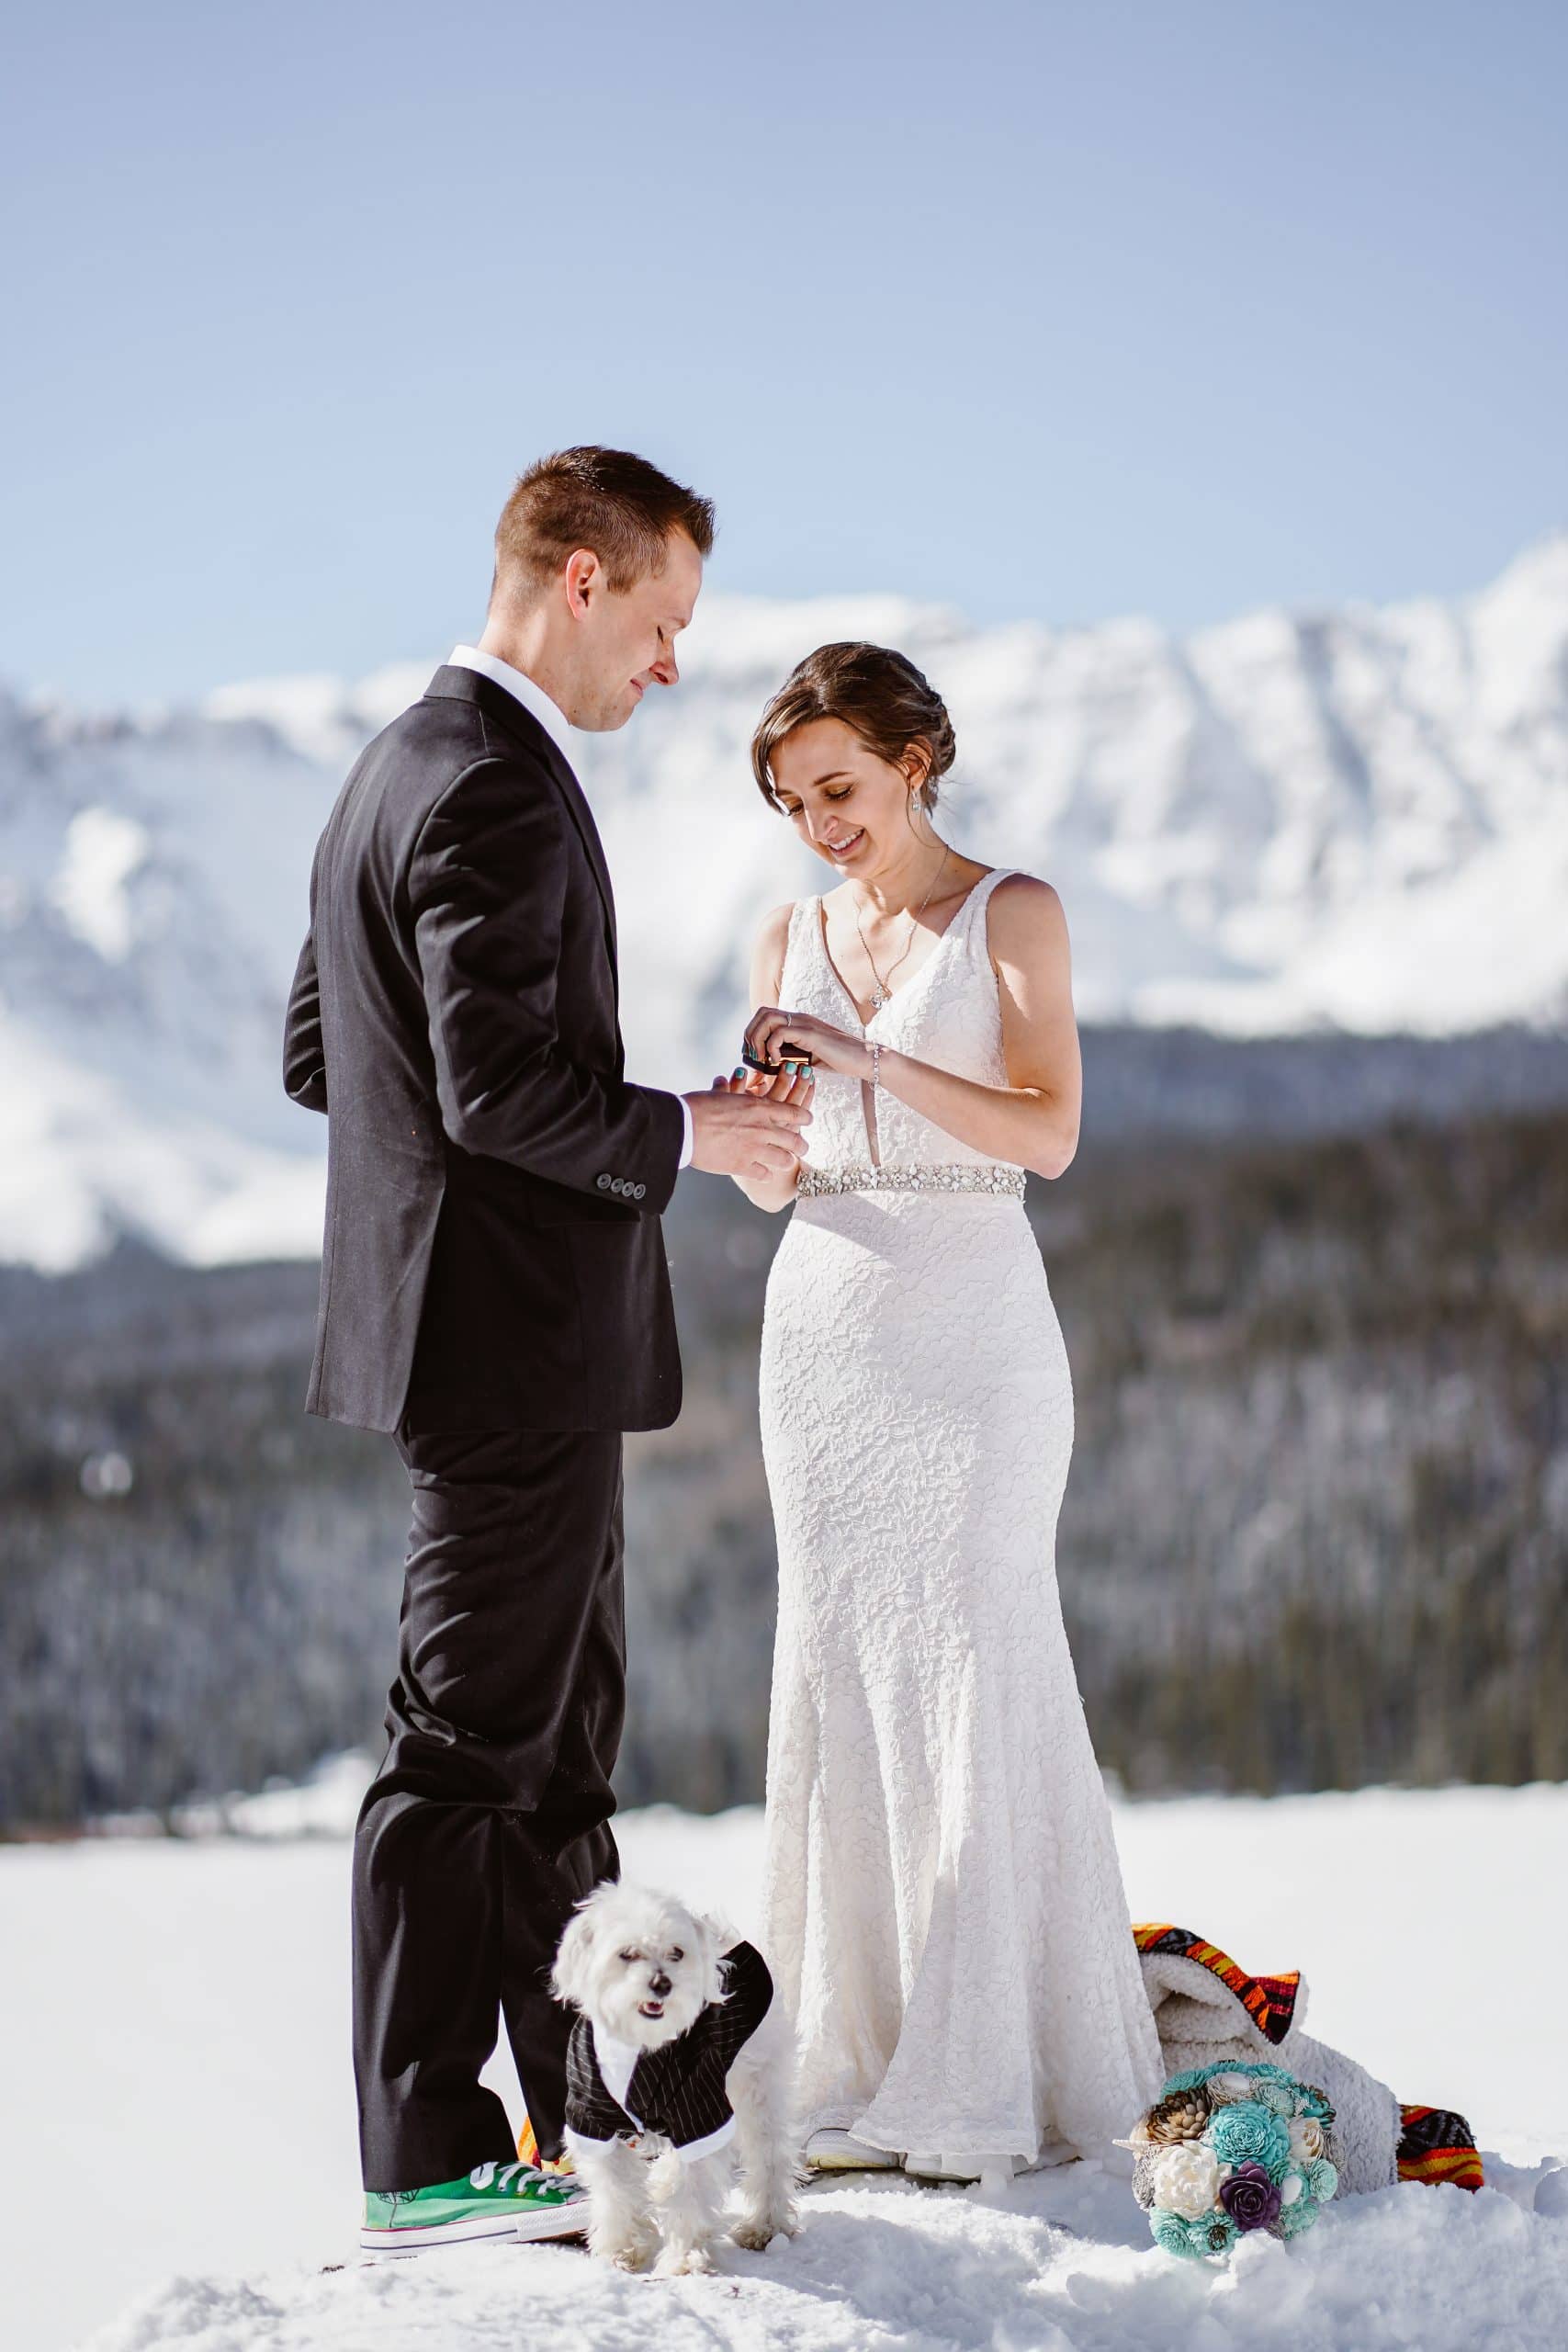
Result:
493,1255
678,2090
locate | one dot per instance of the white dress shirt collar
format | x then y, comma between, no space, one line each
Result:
523,689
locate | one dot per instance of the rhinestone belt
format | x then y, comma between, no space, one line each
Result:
931,1176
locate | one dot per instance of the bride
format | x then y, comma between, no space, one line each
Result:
942,1904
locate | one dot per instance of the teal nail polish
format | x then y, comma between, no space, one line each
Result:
740,1070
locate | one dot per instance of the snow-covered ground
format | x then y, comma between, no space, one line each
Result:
179,2148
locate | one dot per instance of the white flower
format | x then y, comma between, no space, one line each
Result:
1185,2178
1306,2139
1223,2088
1291,2188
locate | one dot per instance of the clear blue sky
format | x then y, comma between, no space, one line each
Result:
1052,310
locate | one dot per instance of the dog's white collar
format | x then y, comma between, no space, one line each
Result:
689,2151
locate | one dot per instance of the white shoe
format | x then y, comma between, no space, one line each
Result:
831,2151
991,2172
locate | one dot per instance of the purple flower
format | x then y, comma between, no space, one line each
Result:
1250,2198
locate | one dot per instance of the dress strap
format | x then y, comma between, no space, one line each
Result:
974,915
803,918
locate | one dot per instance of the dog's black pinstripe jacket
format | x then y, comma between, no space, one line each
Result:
678,2090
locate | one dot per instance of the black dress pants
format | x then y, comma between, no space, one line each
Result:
489,1816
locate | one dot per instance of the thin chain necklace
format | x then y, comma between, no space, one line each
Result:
883,990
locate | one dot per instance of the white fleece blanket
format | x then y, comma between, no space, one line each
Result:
1202,2022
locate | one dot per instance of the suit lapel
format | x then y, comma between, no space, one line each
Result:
582,816
503,711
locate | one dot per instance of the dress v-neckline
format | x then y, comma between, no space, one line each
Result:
894,995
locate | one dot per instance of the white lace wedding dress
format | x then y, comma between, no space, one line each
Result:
943,1905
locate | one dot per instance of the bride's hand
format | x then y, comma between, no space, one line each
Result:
790,1083
771,1031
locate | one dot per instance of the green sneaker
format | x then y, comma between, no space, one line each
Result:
492,2201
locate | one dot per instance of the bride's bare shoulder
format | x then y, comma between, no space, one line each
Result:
1017,889
773,933
771,948
1021,908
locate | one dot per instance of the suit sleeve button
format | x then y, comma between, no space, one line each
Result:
603,1182
637,1192
617,1184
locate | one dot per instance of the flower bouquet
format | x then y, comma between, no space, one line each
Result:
1230,2148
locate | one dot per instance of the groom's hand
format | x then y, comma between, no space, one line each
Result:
756,1131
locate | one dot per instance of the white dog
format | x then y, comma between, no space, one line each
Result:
679,2050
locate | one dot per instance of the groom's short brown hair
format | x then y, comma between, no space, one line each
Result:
608,500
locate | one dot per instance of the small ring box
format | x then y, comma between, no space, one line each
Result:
770,1069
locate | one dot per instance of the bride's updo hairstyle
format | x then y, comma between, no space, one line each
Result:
879,695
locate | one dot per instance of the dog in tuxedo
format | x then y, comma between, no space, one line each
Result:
679,2074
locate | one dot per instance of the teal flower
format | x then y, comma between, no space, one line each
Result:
1295,2185
1169,2231
1279,2099
1214,2233
1294,2218
1248,2133
1190,2080
1322,2180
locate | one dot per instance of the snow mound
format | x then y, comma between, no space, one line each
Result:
213,2053
1062,2261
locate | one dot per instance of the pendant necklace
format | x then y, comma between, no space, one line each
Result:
881,993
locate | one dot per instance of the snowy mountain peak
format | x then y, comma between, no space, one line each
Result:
1539,572
1355,817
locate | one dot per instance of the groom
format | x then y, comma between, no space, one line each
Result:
494,1294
